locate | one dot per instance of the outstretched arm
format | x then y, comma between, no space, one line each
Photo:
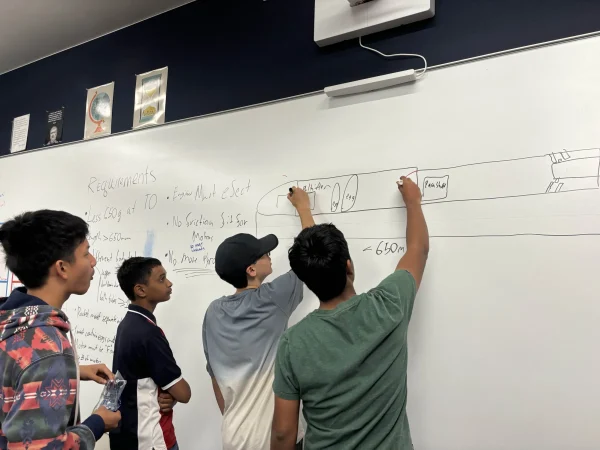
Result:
417,235
299,198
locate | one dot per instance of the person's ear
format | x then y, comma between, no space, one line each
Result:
139,290
251,271
350,269
62,269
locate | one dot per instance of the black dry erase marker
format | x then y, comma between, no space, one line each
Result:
291,191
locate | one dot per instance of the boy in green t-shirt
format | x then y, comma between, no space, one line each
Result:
347,360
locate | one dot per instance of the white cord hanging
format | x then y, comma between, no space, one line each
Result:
419,73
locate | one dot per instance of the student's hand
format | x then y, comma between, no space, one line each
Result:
299,199
111,419
410,191
96,372
166,402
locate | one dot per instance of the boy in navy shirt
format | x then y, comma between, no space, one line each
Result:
144,358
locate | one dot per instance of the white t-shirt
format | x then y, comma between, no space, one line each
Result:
241,334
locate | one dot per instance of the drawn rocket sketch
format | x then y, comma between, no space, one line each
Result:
555,173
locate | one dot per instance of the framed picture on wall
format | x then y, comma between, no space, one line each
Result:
98,114
150,98
54,127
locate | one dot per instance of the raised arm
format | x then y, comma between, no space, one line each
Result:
301,202
417,235
287,290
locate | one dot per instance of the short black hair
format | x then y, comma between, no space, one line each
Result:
319,258
35,240
136,270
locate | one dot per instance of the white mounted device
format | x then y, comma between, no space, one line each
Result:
358,2
371,84
338,20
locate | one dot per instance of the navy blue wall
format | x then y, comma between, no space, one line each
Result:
227,54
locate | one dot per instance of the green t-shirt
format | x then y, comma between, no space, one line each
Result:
348,366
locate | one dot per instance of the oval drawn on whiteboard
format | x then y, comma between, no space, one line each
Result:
335,197
350,192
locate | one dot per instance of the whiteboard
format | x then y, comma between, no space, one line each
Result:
503,342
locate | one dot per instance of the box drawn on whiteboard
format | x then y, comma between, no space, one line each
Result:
282,201
435,188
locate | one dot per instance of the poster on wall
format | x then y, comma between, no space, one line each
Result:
18,140
98,111
54,127
150,98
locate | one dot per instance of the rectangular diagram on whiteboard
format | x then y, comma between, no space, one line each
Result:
555,173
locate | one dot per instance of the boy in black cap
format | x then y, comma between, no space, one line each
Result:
241,332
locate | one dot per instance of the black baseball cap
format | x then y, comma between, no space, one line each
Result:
236,253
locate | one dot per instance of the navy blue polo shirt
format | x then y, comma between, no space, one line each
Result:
143,356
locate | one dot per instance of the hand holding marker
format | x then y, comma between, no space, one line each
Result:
299,198
411,194
401,182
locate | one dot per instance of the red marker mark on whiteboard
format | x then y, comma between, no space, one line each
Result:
406,176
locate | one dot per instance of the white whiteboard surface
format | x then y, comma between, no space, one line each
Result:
503,343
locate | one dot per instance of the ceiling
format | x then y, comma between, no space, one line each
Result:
33,29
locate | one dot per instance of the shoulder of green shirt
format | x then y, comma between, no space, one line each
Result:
398,276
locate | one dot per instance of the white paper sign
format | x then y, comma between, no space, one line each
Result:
20,130
98,111
150,98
